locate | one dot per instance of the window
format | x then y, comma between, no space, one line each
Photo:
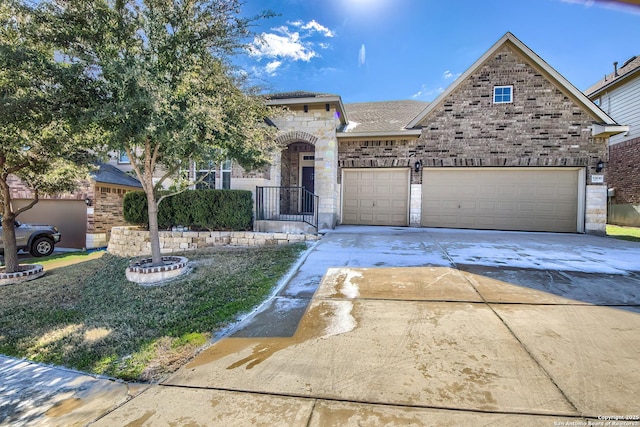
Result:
502,94
123,159
226,175
206,177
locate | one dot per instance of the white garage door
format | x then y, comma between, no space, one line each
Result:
375,196
531,199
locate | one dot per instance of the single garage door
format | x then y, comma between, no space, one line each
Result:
375,196
531,199
70,216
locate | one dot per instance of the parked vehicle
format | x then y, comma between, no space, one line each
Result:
38,239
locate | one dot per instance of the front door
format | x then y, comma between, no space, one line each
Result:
307,177
308,173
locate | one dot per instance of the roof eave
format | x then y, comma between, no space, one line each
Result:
407,133
313,100
307,100
614,83
607,130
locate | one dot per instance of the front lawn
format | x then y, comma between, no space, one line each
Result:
624,233
87,316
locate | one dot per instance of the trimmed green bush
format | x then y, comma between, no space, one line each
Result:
198,209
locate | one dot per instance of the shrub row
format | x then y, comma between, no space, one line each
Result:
198,209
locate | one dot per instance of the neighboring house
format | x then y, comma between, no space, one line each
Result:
618,95
510,145
85,217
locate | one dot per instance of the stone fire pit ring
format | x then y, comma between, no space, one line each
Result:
142,272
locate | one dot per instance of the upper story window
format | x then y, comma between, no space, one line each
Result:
123,159
502,94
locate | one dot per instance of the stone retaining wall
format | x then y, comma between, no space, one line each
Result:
131,241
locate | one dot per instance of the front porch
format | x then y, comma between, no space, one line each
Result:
286,210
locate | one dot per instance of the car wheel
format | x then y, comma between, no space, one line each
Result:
42,246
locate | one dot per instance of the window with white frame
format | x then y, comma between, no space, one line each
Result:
226,174
502,94
205,176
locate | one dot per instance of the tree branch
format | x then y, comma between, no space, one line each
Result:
30,205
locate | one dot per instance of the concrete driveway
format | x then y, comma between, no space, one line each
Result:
398,326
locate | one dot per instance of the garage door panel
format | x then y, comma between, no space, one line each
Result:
70,216
381,195
510,199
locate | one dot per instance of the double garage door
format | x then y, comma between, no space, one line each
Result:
531,199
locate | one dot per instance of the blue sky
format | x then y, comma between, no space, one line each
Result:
379,50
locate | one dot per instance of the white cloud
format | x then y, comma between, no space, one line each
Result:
427,93
275,46
315,26
362,56
449,75
272,67
284,43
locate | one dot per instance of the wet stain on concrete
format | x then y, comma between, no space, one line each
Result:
322,320
414,284
139,422
64,407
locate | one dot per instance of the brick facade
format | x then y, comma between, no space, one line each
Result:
107,208
623,171
543,126
20,191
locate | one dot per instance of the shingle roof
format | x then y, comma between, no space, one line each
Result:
632,64
382,116
109,174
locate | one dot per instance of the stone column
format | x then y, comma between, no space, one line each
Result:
596,210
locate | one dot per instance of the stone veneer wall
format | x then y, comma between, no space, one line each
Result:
596,210
131,241
318,128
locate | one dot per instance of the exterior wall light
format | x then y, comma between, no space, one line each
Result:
599,166
87,201
417,165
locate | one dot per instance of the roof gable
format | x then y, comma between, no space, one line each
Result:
109,174
535,61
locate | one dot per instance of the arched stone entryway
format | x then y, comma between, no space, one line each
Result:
297,171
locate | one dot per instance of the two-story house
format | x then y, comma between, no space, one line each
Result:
618,95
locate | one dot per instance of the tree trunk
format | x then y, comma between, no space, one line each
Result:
154,236
11,263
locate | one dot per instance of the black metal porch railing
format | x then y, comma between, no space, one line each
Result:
287,204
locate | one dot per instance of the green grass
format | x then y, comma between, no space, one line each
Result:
87,316
63,259
624,233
